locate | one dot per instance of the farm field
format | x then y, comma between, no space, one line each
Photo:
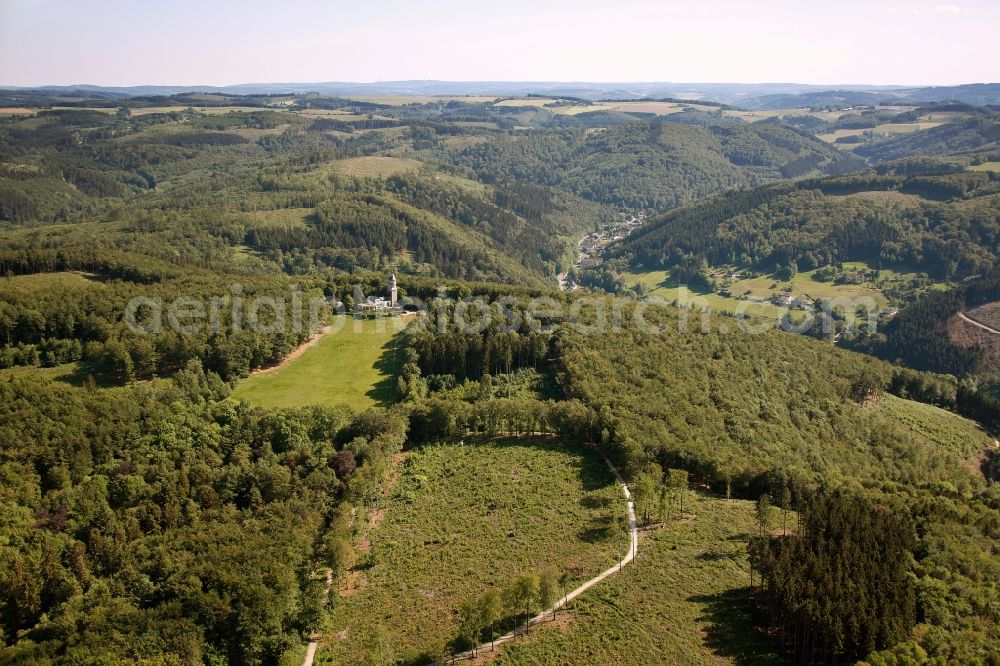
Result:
463,519
352,365
401,100
986,166
684,599
146,110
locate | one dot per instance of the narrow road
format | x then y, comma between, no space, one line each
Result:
976,323
633,549
314,639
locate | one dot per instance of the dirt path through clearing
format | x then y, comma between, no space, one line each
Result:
295,353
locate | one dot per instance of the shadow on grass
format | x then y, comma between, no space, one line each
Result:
388,364
594,474
596,532
595,502
730,630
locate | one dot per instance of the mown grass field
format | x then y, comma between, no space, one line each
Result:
986,166
463,519
355,364
683,601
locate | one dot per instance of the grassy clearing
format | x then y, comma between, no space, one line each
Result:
986,166
281,217
383,167
683,600
886,197
988,315
353,365
464,519
904,128
935,427
830,137
25,285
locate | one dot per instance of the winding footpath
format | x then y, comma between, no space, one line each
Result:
523,627
633,549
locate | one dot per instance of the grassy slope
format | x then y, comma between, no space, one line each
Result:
352,365
936,428
682,601
445,538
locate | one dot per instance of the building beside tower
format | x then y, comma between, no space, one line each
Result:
389,304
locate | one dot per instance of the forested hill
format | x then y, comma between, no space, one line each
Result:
276,191
654,165
978,133
945,225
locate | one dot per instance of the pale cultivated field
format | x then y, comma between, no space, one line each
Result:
383,167
830,137
208,110
401,100
886,197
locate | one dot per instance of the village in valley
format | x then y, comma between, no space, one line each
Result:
592,246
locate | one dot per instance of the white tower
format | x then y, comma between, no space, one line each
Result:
392,290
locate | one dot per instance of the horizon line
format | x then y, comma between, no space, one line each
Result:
494,81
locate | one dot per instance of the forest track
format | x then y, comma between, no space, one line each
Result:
961,315
548,612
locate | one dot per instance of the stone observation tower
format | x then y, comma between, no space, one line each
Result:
392,290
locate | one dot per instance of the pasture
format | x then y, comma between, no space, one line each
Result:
463,519
355,364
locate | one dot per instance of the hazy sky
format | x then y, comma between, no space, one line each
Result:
117,42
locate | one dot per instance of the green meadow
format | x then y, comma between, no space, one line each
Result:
355,364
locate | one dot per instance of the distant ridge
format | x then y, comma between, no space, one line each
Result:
748,95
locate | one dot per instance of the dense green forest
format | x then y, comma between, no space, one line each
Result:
945,225
653,165
153,522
